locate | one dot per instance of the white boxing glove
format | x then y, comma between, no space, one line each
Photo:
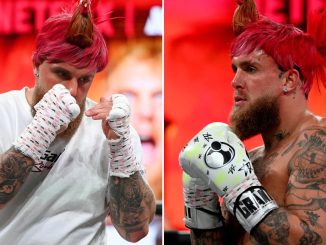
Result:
123,161
202,209
218,157
54,112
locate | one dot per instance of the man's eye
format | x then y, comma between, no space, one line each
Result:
250,69
62,74
85,80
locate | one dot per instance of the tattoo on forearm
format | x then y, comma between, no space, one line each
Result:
130,199
276,228
206,237
14,168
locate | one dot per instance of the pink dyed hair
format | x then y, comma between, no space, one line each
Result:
51,46
290,48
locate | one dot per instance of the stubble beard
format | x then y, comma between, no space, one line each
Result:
260,116
72,127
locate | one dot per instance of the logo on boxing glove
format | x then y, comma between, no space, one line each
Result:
218,155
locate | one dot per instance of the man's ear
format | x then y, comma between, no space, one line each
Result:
36,71
292,81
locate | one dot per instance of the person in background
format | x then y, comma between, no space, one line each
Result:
136,72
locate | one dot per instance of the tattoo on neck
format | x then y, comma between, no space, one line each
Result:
281,135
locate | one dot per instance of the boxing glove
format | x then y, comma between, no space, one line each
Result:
218,157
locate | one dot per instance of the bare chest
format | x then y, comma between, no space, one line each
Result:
273,174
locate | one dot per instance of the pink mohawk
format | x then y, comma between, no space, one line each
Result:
290,47
56,42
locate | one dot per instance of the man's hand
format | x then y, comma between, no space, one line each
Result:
218,157
54,112
114,112
101,112
115,116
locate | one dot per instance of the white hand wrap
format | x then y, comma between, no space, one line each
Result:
123,161
202,210
54,111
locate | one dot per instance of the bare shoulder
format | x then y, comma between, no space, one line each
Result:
310,134
306,190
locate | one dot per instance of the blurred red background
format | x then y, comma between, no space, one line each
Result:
198,77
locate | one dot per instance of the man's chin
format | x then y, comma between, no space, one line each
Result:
238,109
256,118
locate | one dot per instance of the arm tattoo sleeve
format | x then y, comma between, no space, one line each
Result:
131,203
210,237
14,169
303,219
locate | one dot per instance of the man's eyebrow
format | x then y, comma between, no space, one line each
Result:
61,69
244,64
248,63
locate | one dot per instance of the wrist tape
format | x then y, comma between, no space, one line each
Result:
202,210
56,109
123,162
249,203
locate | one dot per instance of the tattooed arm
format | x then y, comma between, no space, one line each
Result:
14,169
132,206
303,219
215,236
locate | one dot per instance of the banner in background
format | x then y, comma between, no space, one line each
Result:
116,19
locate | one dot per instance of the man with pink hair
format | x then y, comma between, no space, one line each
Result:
275,194
65,161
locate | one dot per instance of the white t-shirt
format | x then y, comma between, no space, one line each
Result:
63,200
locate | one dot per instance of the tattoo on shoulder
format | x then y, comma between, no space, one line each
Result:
307,168
14,168
129,198
309,135
312,218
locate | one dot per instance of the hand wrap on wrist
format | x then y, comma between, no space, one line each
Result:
122,157
202,210
54,111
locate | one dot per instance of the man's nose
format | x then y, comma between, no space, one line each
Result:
72,86
237,81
